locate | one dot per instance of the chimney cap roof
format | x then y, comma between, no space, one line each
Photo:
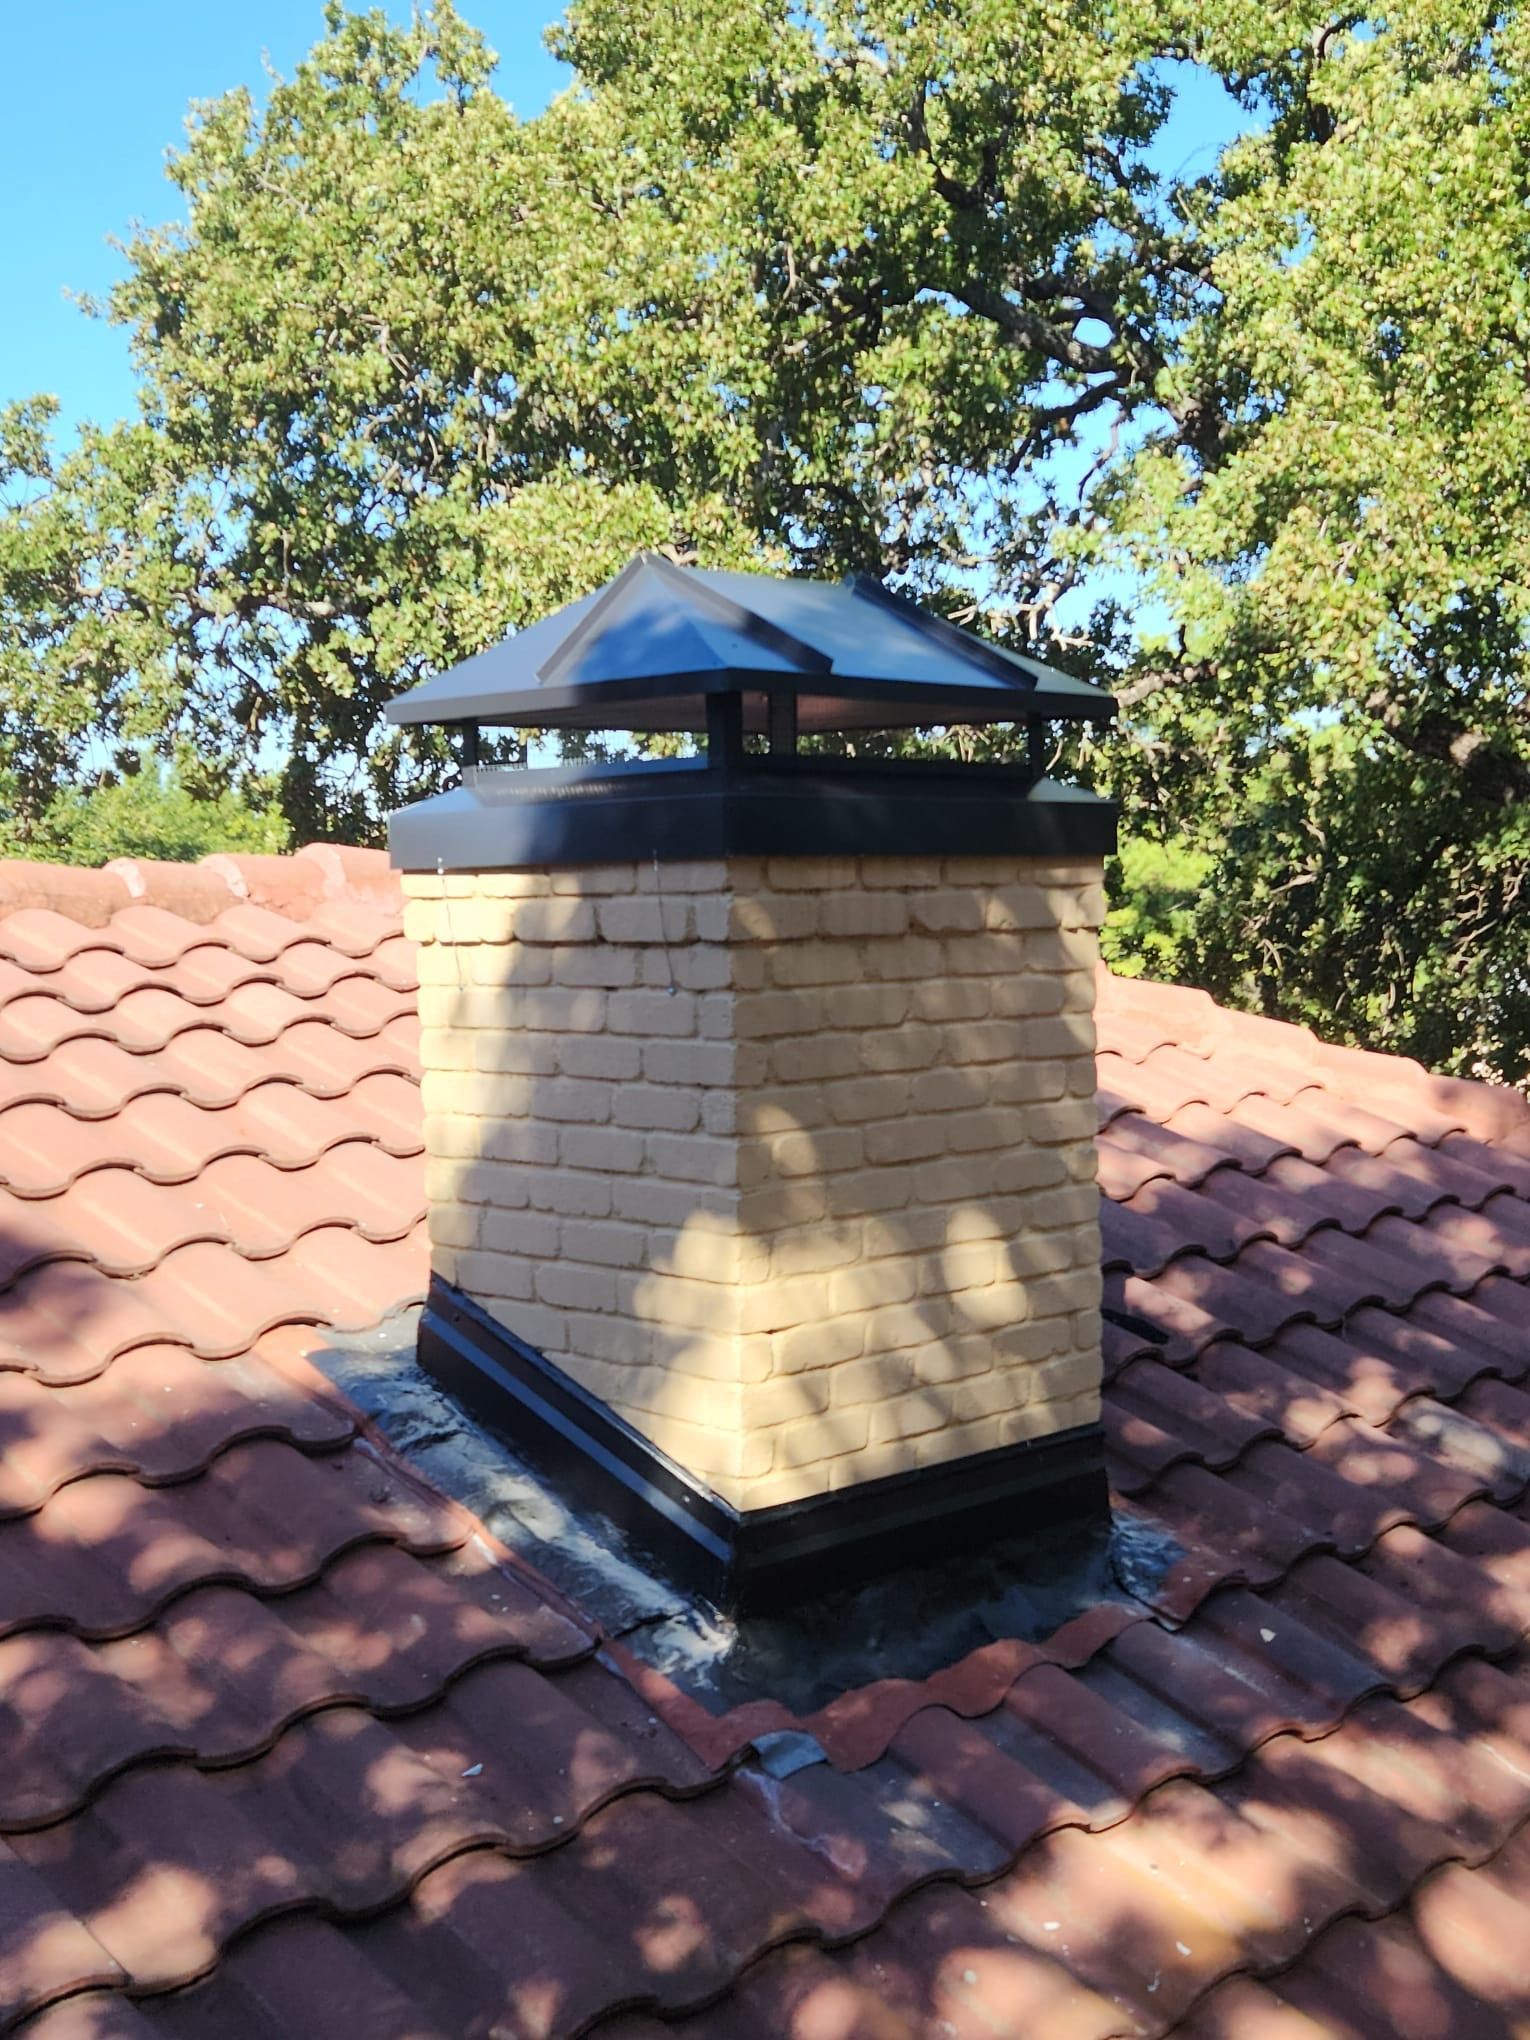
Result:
645,651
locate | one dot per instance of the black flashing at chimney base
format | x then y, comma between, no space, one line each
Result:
758,1560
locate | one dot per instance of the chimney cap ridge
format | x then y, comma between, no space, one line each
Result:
647,650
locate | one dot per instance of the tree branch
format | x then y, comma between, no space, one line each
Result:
1488,771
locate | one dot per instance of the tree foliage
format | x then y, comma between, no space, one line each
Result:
147,812
850,285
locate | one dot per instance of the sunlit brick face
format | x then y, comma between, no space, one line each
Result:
789,1161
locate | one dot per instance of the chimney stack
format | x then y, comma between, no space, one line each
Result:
759,1086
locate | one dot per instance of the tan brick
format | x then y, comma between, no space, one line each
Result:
610,1150
786,1399
638,919
855,914
512,1053
897,1327
692,1157
1061,949
614,1057
656,1106
546,1330
815,874
586,1101
532,1233
835,1432
915,957
1023,1343
647,1201
964,1176
558,1010
771,918
827,1345
1015,907
947,1360
984,955
785,1108
605,1243
776,1306
573,1286
815,963
996,1126
446,1048
946,912
1019,998
554,920
594,964
902,1048
825,1058
1029,1083
503,1277
767,1210
571,1193
951,1090
703,970
757,1014
1018,1169
870,1283
823,1153
676,1304
906,1140
1057,1295
862,1008
701,876
698,1063
906,873
813,1250
989,1395
518,1142
454,1225
923,1409
589,879
953,999
721,1113
1067,1119
984,1041
853,1100
875,1379
650,1013
784,1485
861,1191
967,1264
705,1246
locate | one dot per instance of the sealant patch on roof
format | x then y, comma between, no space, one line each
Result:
293,1743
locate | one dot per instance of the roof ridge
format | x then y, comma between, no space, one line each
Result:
294,884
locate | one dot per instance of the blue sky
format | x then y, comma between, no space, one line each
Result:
92,94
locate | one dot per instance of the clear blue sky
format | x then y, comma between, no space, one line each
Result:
92,93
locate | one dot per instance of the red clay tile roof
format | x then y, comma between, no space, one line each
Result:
291,1747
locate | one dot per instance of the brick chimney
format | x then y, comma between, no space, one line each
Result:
759,1100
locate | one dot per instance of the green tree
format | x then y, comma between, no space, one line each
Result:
148,811
861,286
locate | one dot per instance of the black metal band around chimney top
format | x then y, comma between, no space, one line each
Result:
754,1559
754,806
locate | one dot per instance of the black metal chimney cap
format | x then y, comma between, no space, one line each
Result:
646,651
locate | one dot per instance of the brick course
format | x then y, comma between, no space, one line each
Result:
790,1161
